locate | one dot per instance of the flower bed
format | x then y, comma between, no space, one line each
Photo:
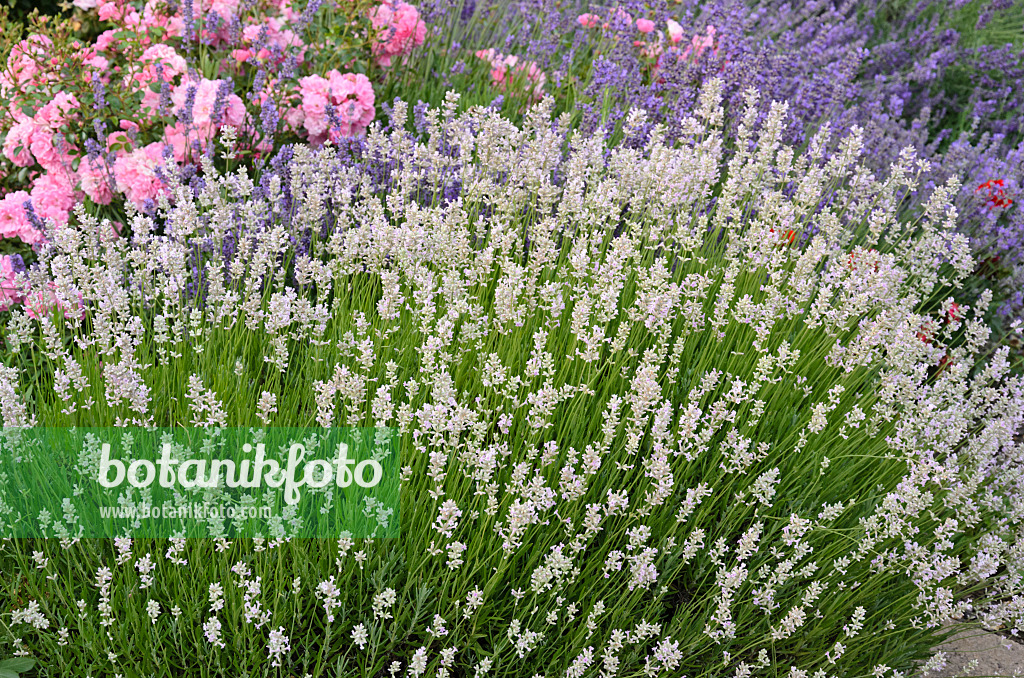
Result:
643,432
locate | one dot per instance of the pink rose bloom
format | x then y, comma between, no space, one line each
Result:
644,25
172,62
39,303
98,62
105,40
153,17
399,29
53,196
133,20
277,36
232,112
505,69
135,173
42,147
14,221
21,63
225,9
252,31
95,181
701,42
173,65
294,118
90,57
178,139
206,98
57,110
16,145
350,94
288,13
108,10
355,108
588,20
675,31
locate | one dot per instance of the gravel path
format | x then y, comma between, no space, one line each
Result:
995,656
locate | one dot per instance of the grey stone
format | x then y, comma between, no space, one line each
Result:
996,655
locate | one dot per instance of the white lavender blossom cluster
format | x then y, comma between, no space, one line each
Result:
706,409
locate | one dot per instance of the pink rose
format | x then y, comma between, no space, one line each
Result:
16,145
14,221
39,303
588,20
43,148
95,181
505,69
294,117
350,94
108,11
22,68
205,109
57,110
135,173
105,40
153,17
53,196
225,9
399,29
173,63
644,25
675,31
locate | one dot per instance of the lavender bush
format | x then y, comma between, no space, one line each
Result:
897,70
644,433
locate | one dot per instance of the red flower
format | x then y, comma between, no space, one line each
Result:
790,236
995,193
852,263
954,313
946,361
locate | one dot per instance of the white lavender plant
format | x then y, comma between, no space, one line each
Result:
664,411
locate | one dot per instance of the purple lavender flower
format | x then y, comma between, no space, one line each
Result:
189,20
419,112
224,90
92,150
213,21
269,118
185,112
166,104
306,18
99,93
257,82
235,30
33,218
